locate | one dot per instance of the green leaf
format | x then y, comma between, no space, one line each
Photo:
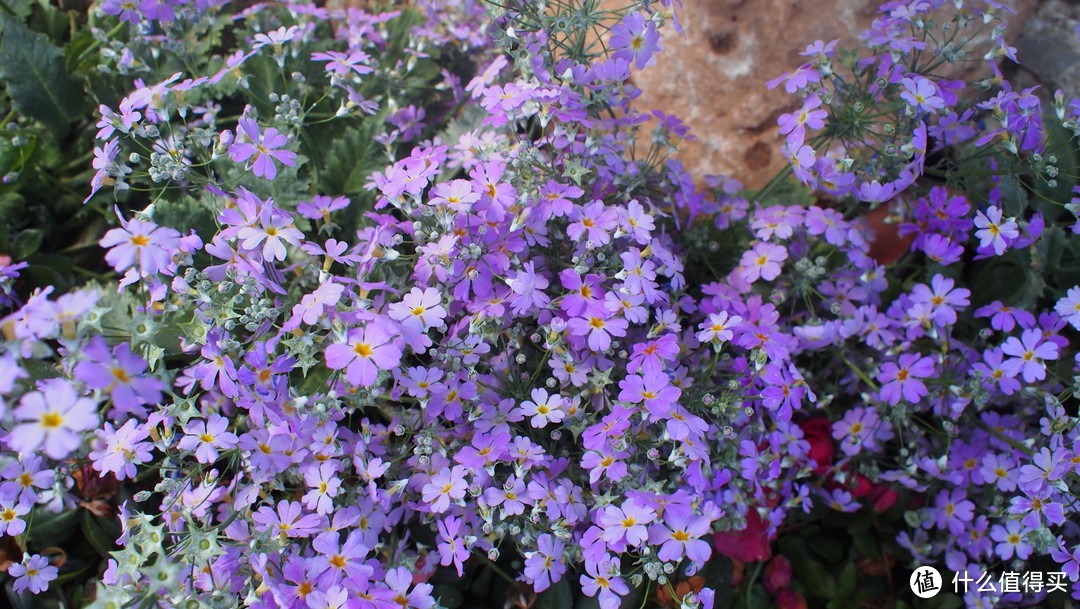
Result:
846,582
817,579
49,529
315,381
26,243
349,161
102,533
448,596
37,81
558,596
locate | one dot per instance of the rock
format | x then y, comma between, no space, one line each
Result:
1048,48
714,78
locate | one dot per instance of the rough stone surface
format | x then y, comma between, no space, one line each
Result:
1048,48
714,78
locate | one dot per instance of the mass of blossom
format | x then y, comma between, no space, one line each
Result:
488,327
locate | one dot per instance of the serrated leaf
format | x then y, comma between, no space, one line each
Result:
350,160
37,81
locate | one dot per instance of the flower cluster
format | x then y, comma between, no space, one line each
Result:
395,308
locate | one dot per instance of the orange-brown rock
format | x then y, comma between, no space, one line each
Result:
714,78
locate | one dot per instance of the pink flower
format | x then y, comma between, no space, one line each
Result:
368,350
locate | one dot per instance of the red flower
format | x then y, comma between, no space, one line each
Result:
882,497
777,574
818,432
790,599
747,545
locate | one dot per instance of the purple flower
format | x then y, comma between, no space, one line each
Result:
626,524
121,374
207,437
681,535
635,40
717,327
544,408
143,244
1010,540
1069,306
289,520
273,231
262,149
598,330
796,79
1034,509
941,298
763,261
594,222
953,511
53,416
444,487
451,544
22,477
994,230
603,578
11,513
342,63
1005,318
653,391
33,574
1028,353
420,309
921,94
124,449
902,381
367,350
